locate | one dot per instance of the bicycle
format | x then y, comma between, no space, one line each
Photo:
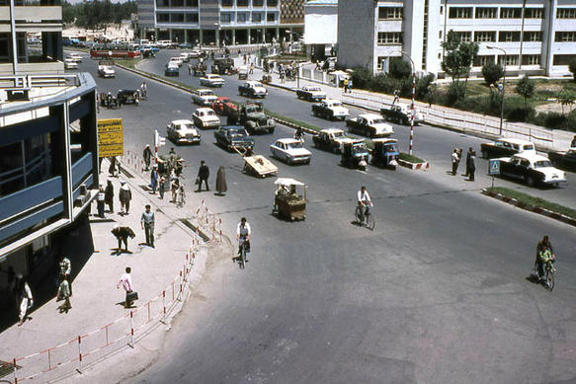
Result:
365,218
549,271
242,254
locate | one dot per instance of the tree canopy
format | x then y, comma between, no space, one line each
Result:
459,56
97,13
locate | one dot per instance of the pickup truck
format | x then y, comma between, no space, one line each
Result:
330,109
253,118
400,114
311,93
252,89
370,125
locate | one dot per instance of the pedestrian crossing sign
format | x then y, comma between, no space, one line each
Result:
494,167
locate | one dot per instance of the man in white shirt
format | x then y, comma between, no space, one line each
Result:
243,233
364,203
126,283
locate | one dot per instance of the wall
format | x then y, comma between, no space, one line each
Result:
321,25
356,33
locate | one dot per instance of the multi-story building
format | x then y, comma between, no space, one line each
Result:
30,37
320,27
220,22
48,155
533,36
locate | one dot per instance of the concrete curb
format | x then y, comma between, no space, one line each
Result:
414,166
539,210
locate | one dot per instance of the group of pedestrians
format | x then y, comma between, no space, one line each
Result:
105,197
470,162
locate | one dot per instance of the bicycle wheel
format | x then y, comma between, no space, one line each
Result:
549,279
370,222
242,256
358,215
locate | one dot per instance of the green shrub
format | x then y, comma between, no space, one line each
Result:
361,77
492,73
523,114
456,92
399,69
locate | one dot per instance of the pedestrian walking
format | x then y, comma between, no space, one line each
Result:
468,155
154,178
245,59
143,90
64,293
100,201
147,221
396,97
64,271
221,186
203,174
122,234
113,168
109,196
174,188
190,68
455,161
147,156
126,283
125,196
25,298
251,69
181,196
350,86
162,187
471,166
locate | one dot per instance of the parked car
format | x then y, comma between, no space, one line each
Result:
176,60
172,71
330,109
311,93
106,68
252,89
203,96
532,169
205,118
506,147
182,132
400,114
290,151
370,125
229,136
70,64
212,81
564,160
223,105
329,139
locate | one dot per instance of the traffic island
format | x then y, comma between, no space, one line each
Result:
533,204
412,162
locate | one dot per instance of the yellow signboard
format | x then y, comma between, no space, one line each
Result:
110,138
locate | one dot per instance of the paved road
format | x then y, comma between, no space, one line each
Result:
436,294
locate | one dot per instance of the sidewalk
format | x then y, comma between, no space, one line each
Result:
96,302
466,122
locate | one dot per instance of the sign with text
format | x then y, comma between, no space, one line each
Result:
494,168
110,138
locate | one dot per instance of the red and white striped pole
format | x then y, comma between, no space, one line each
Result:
413,113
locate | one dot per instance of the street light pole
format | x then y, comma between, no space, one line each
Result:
412,110
503,86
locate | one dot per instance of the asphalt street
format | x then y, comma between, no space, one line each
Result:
436,294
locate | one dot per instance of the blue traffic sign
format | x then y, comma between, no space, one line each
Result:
494,168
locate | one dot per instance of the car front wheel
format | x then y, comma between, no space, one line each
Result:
529,181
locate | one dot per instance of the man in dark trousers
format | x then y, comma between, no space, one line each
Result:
471,165
147,156
147,221
122,234
203,174
468,155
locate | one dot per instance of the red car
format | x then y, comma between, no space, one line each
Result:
223,106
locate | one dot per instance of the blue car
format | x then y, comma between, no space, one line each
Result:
172,72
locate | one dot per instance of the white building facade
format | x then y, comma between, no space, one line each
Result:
320,25
536,36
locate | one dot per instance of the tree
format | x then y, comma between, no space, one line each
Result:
492,73
459,56
572,68
525,88
566,98
399,69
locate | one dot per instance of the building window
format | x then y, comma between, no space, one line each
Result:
389,38
177,18
566,13
508,36
480,61
191,17
484,36
531,60
508,60
270,17
463,36
390,13
162,3
257,3
242,17
256,17
381,62
486,13
534,13
460,13
162,17
227,3
560,60
226,17
242,3
532,36
565,36
272,3
510,13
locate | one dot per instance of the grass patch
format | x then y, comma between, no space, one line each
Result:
129,63
410,158
533,201
291,120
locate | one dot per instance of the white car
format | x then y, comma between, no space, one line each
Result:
290,151
311,93
164,43
185,57
182,131
203,96
176,59
252,89
330,109
70,64
205,118
194,54
106,70
370,125
75,56
212,81
532,169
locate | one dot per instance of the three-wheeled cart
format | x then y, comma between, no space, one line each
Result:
290,199
256,165
385,153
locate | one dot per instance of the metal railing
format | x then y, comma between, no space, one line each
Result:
35,81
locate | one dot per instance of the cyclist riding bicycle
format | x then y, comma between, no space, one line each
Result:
544,254
364,203
243,232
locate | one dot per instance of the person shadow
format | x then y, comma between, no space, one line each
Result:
123,304
119,251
